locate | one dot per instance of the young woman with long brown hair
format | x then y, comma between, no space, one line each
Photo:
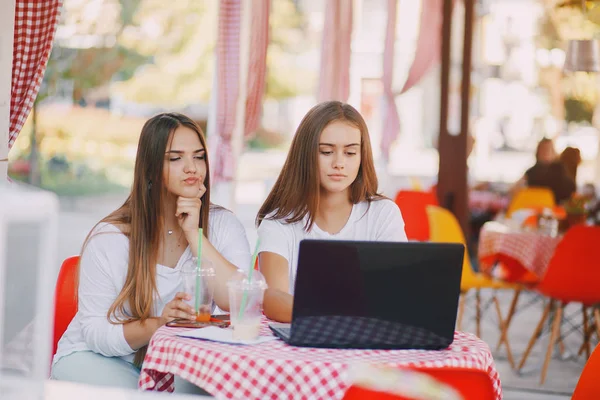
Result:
129,272
327,189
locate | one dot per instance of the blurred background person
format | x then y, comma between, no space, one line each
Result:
570,158
550,172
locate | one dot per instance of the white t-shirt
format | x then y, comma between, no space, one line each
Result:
103,269
379,220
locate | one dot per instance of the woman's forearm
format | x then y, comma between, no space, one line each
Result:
278,305
138,333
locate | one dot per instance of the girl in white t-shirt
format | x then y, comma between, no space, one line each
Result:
129,272
327,189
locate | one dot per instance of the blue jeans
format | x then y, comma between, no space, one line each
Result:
95,369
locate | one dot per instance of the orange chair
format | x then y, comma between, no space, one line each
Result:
412,205
65,298
588,387
537,198
572,276
444,227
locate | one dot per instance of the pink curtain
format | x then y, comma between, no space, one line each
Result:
429,43
35,25
257,64
228,65
391,121
334,80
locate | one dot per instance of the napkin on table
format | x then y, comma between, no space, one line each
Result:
221,335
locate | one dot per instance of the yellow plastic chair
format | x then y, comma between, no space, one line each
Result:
531,197
445,228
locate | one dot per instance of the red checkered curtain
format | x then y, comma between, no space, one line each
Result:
228,67
429,43
257,64
35,25
391,121
334,80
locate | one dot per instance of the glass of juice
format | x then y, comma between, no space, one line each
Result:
245,304
198,282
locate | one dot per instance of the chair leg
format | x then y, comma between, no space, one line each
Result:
561,345
503,329
478,312
536,334
586,333
461,310
511,313
553,338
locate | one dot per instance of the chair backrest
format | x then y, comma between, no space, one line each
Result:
412,205
444,227
573,273
65,298
531,197
588,386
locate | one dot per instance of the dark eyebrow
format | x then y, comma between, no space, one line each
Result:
333,145
181,152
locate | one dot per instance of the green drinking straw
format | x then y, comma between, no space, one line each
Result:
198,277
245,295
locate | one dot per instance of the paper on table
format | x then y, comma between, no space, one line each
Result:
221,335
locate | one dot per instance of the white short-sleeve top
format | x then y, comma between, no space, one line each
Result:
378,220
103,269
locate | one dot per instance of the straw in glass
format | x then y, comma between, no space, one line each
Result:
245,295
198,276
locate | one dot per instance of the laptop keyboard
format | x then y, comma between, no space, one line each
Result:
283,332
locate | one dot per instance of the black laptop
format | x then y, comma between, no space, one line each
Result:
375,295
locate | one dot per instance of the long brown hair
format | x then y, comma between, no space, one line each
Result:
141,218
570,159
297,189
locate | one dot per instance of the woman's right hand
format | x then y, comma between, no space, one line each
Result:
177,308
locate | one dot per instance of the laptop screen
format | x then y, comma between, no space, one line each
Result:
381,292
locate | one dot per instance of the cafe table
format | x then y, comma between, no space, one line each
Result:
514,254
274,369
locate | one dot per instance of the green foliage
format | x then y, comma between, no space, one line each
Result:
581,97
77,180
181,40
265,139
577,110
288,38
165,55
95,66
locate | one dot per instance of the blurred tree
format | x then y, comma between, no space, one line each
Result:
87,53
88,50
286,77
144,51
180,40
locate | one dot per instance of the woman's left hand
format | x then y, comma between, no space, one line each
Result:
188,211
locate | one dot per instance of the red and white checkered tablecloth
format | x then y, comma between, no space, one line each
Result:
276,370
531,250
488,201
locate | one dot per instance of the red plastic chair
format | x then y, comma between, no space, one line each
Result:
573,276
588,387
471,384
413,206
65,298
